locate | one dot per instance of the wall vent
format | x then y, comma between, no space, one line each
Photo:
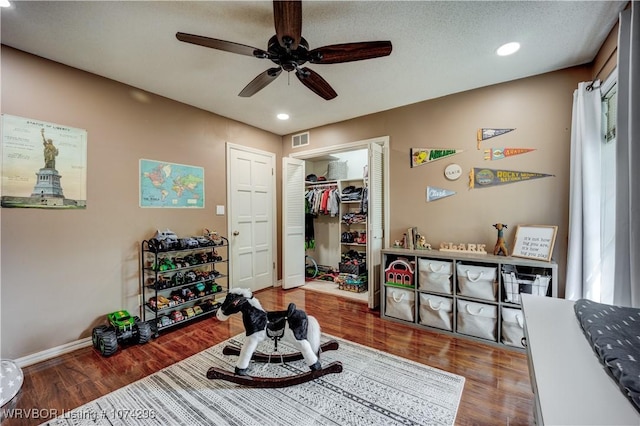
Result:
301,139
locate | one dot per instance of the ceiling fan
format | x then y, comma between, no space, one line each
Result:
289,51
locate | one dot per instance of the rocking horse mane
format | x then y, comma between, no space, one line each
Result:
245,292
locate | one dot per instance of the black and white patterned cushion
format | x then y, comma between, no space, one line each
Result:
10,380
614,334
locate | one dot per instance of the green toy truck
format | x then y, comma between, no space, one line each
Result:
122,328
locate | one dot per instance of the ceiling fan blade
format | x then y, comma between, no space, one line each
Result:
227,46
260,82
348,52
317,84
287,17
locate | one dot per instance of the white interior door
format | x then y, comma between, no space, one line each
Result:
375,221
251,184
293,262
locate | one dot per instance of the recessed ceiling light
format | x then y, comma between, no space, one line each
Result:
4,3
283,116
508,49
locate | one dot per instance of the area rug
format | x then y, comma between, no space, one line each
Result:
374,388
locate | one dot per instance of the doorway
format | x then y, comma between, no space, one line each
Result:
250,219
375,178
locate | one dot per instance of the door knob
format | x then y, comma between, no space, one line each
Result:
236,233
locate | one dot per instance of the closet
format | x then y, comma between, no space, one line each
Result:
347,239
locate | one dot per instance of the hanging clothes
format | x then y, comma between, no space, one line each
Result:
319,200
364,203
309,234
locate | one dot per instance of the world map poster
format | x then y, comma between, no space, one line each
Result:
171,185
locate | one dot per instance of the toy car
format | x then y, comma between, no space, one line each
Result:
213,236
122,328
203,241
189,242
165,264
164,321
163,241
187,293
197,310
177,316
160,303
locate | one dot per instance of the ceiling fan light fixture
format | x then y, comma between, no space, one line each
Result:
283,116
508,49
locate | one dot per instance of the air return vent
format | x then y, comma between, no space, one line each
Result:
301,139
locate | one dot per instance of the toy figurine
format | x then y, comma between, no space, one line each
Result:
501,246
421,243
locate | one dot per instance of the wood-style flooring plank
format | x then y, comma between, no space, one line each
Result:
497,389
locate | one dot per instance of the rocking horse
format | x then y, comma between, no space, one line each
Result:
293,324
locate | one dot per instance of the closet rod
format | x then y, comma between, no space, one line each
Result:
322,186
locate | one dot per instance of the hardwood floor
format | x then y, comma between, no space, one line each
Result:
497,390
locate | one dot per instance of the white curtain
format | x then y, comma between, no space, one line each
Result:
627,264
583,255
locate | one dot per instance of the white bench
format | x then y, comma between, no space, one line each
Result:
570,384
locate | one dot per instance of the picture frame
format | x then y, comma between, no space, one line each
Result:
534,241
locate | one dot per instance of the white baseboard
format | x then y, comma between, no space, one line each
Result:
278,283
53,352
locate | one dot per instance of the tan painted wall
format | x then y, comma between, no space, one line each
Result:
538,107
64,270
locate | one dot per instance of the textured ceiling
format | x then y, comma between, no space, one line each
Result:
439,48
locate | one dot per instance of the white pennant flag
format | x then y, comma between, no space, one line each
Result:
434,193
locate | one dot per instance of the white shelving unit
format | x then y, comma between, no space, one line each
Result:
468,305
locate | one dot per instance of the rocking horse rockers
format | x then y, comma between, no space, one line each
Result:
301,329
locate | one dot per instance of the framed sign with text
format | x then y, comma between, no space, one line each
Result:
534,241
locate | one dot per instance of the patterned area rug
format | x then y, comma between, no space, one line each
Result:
374,388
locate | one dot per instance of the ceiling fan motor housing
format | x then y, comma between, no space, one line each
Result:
288,59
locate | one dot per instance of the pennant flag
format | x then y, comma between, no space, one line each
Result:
500,153
484,134
434,193
482,178
420,156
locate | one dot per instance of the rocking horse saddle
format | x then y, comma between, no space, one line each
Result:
296,318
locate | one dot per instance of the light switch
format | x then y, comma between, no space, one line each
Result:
220,210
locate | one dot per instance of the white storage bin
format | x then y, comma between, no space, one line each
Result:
515,284
477,319
435,275
512,327
478,281
436,311
400,304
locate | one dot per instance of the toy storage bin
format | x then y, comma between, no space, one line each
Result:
477,319
477,281
514,284
512,327
436,311
337,170
435,275
350,268
400,303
